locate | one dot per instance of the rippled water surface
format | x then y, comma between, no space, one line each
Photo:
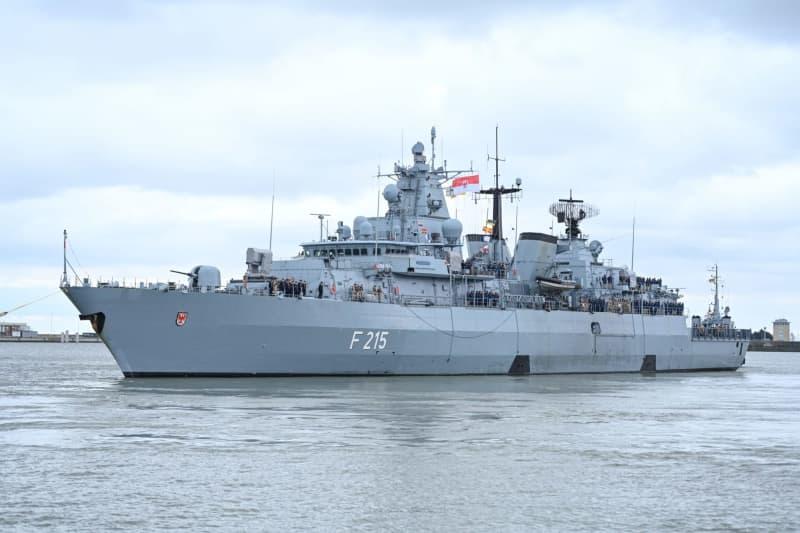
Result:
83,448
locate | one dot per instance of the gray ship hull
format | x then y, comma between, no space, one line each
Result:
242,335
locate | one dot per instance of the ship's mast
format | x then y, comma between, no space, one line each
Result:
321,217
433,148
633,242
272,211
64,274
497,193
715,280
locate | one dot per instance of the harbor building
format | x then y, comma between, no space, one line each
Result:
781,331
16,329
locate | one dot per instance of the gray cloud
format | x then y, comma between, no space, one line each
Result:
683,114
172,94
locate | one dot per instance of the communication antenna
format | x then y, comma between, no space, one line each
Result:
633,242
496,157
433,148
715,281
378,205
321,217
64,280
272,210
402,145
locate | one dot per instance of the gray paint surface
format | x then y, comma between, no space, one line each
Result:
242,334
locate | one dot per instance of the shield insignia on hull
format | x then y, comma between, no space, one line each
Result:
181,318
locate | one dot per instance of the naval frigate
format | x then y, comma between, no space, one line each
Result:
406,294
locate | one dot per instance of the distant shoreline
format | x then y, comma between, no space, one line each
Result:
773,346
51,337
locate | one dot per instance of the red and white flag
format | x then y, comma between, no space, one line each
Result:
465,184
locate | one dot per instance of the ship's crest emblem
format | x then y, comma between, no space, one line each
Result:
181,318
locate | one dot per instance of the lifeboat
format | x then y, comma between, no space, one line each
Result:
555,284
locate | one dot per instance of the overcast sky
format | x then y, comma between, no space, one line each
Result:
151,131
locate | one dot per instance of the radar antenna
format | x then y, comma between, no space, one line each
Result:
571,212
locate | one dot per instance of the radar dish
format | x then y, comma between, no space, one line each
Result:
565,210
571,212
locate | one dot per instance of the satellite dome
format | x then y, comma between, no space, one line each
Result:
391,193
357,226
365,230
451,229
595,247
418,148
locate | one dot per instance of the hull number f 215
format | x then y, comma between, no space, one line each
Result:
369,340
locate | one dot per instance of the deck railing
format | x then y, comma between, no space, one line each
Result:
473,298
714,333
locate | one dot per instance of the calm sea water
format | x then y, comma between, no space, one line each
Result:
81,448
